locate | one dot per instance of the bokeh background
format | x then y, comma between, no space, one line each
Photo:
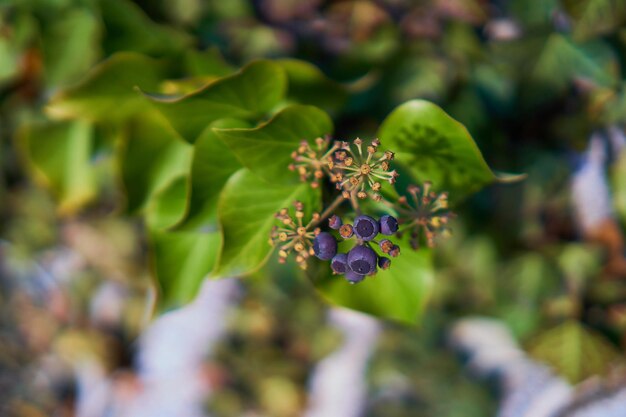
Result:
530,291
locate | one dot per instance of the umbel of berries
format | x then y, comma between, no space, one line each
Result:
362,260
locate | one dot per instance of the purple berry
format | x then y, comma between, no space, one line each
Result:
365,227
384,263
339,263
353,277
362,259
325,246
388,225
335,222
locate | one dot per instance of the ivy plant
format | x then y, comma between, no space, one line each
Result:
232,169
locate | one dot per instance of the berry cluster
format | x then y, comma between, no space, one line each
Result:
362,260
294,235
358,171
424,213
354,168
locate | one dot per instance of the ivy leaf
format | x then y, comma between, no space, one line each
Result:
58,155
209,62
595,17
309,85
212,165
266,150
249,94
106,94
435,147
128,28
562,60
71,45
246,211
151,156
398,293
618,179
574,351
180,260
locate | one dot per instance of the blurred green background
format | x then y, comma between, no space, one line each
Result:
531,80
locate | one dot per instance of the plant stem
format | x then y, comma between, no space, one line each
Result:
327,212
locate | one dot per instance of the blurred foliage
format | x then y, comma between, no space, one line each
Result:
103,104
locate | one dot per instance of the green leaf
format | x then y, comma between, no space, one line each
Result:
70,45
266,150
399,293
151,156
249,94
562,60
618,179
208,62
128,28
107,94
435,147
595,17
309,85
212,165
58,156
168,205
246,211
180,260
574,351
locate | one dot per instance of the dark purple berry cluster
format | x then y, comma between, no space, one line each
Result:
362,260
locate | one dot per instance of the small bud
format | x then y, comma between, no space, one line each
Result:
335,222
371,149
386,245
384,166
345,194
376,142
389,155
346,231
384,263
376,186
348,161
395,251
282,237
358,141
361,194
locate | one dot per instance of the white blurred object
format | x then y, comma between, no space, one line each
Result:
172,350
338,387
528,388
107,305
590,190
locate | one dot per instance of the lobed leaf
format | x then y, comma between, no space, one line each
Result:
212,165
399,293
58,156
150,157
435,147
246,211
248,94
106,93
180,260
266,150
